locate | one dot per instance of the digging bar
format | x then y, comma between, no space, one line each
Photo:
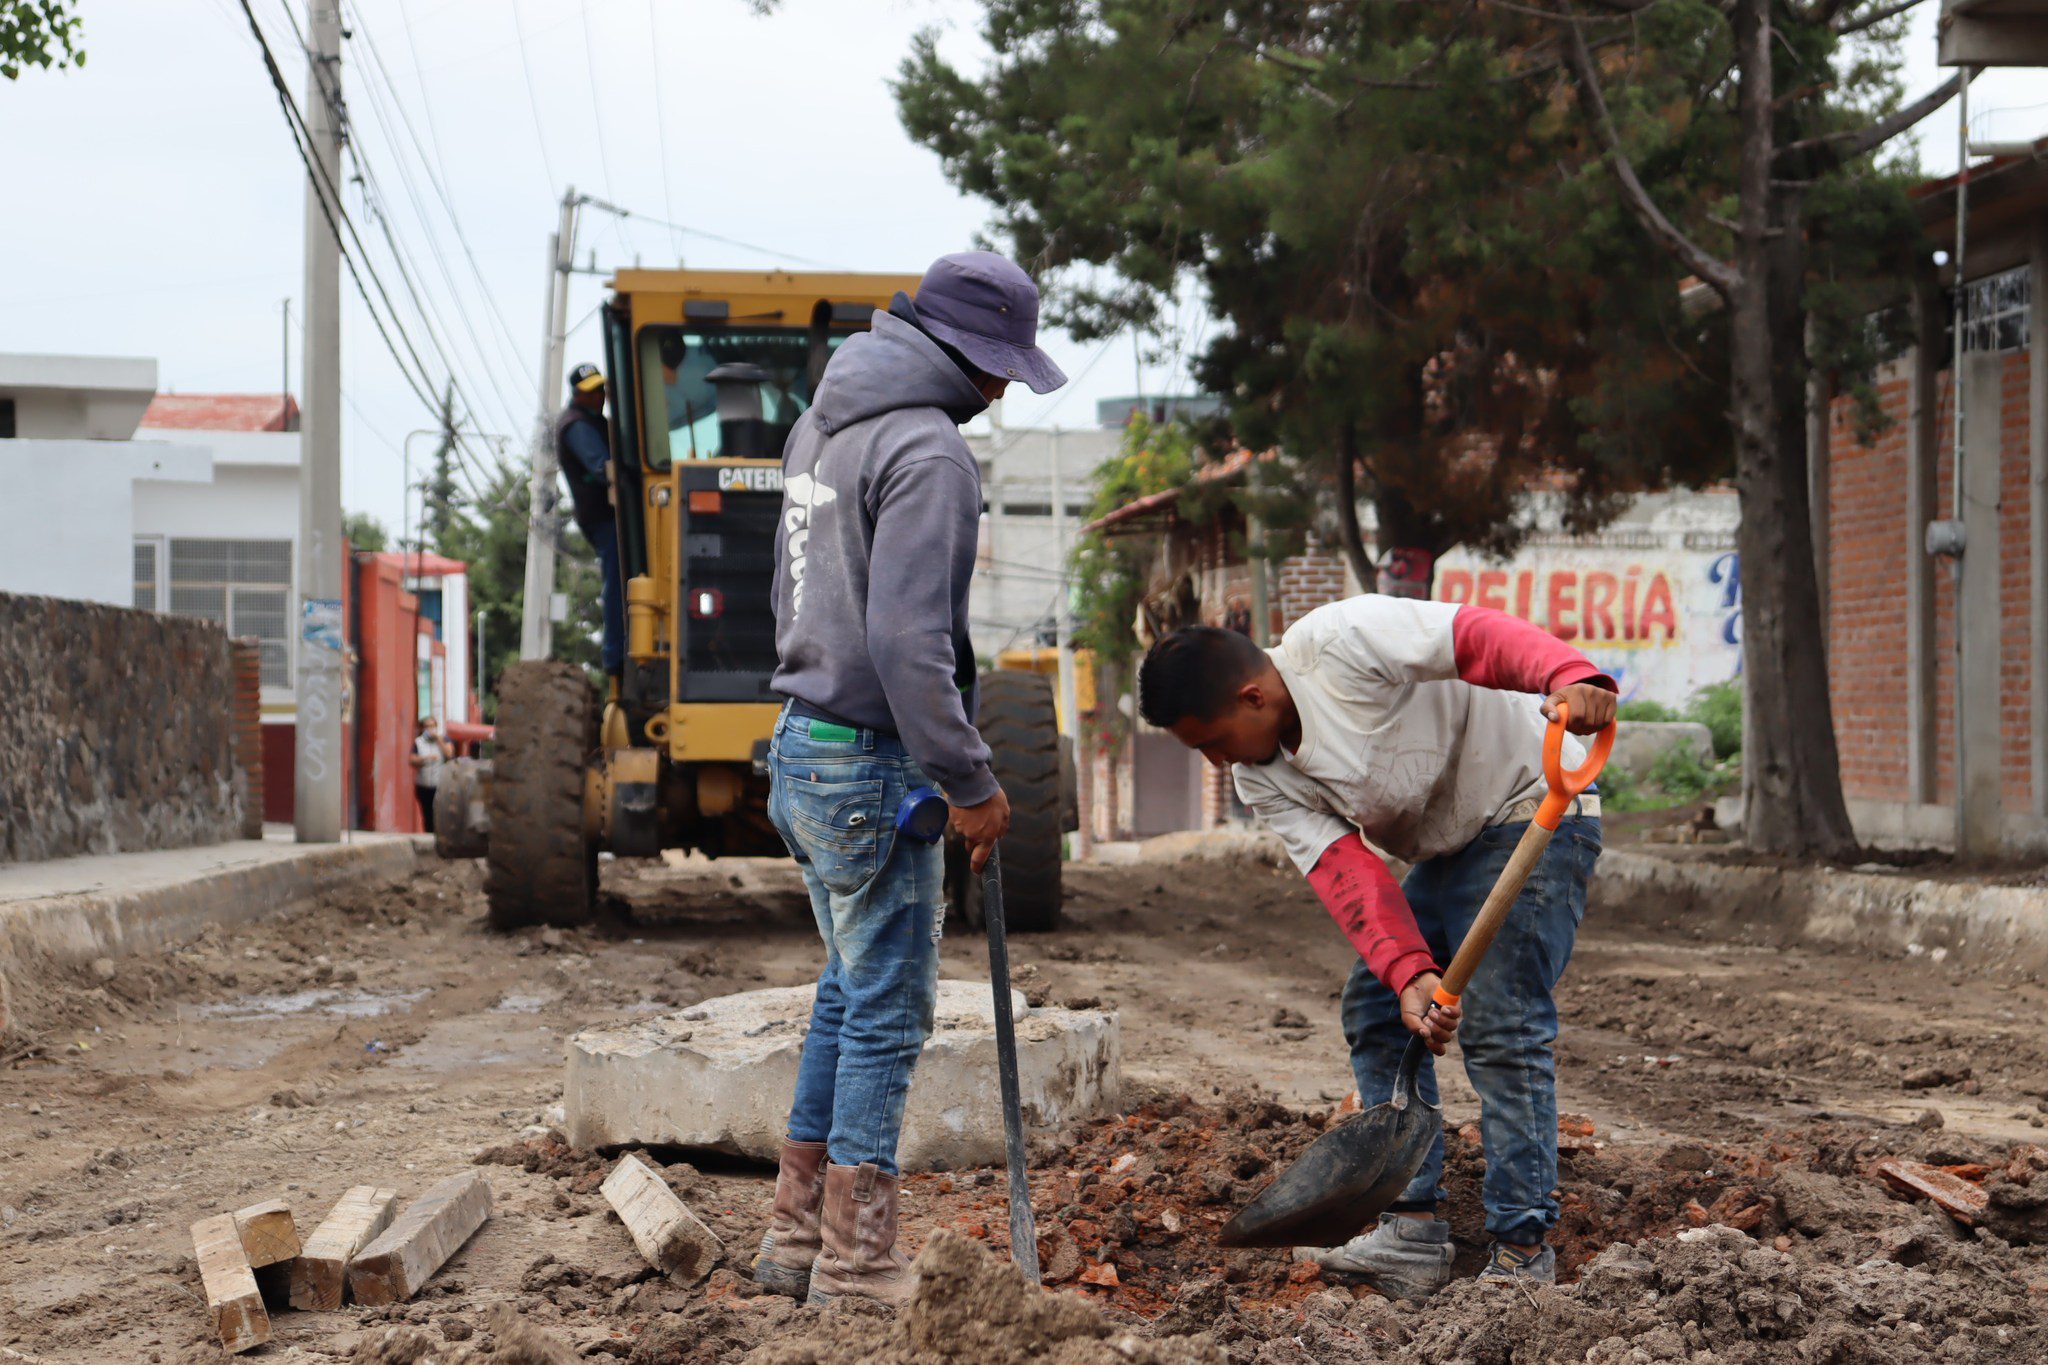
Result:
1023,1227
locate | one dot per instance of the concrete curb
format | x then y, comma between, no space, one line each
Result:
79,926
1979,923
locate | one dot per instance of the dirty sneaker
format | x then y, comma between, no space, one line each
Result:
1403,1258
1506,1263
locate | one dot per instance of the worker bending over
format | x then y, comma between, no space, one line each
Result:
1411,723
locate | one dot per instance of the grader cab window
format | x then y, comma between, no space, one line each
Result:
726,391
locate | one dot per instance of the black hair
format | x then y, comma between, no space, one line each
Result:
1195,672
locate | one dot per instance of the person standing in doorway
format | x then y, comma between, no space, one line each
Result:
430,749
583,446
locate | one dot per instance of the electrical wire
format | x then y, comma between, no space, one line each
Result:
510,408
438,182
604,156
327,196
331,208
689,231
540,136
668,202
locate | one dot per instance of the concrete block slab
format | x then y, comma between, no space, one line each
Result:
719,1075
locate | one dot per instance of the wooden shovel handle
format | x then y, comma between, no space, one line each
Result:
1564,787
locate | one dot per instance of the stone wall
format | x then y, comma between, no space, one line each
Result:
116,731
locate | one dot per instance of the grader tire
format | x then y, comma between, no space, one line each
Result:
1018,719
539,868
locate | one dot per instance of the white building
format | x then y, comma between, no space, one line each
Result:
226,549
71,472
1021,567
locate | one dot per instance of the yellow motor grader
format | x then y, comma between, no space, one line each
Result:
709,371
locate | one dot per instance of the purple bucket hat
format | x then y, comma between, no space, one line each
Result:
984,306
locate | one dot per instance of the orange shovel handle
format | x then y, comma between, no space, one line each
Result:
1565,787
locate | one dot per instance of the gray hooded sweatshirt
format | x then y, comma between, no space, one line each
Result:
881,500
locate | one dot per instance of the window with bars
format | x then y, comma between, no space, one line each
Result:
243,585
145,574
1995,311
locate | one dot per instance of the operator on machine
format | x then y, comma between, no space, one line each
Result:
583,447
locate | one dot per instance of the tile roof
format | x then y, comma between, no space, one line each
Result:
223,412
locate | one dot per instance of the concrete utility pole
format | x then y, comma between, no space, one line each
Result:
536,616
318,773
1070,715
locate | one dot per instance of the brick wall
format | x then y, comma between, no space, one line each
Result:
1868,562
246,654
118,732
1867,591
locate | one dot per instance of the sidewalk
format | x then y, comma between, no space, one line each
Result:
111,905
1987,921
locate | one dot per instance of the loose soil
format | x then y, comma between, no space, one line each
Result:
1725,1103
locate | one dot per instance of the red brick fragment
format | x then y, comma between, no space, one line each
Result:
1957,1197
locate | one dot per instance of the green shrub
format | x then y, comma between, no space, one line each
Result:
1718,706
1647,710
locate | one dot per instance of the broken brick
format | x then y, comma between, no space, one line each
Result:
1957,1197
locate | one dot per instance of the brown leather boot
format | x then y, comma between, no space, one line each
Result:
791,1243
859,1226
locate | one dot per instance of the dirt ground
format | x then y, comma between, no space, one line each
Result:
1726,1102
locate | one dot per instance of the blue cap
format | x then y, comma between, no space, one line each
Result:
985,306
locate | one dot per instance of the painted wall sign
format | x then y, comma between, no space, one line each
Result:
1663,622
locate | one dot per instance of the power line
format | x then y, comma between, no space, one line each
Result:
540,136
329,199
509,407
326,194
687,230
668,203
438,183
604,156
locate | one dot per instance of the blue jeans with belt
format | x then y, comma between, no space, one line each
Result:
1510,1018
879,901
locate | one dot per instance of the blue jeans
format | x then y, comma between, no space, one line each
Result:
1510,1018
604,539
880,905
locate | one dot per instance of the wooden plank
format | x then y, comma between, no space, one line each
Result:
320,1272
673,1239
268,1233
402,1258
1957,1197
231,1297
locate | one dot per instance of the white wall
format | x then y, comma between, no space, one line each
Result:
67,512
242,502
1018,574
74,397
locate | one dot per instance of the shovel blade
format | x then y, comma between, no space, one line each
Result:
1344,1181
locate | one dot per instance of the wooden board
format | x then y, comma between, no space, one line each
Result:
402,1258
671,1237
231,1297
320,1272
1957,1197
268,1233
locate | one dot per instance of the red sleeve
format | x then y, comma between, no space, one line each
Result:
1494,649
1362,896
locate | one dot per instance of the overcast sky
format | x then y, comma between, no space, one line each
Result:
154,205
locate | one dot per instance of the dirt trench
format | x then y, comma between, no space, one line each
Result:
1727,1102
